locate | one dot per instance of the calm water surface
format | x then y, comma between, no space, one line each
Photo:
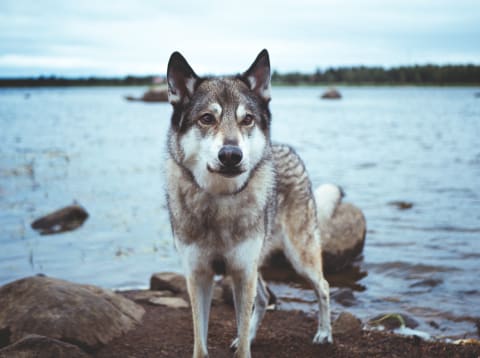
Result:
419,145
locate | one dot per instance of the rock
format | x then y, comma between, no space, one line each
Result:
401,205
346,323
343,237
154,94
65,219
147,295
217,296
87,315
172,302
393,321
344,296
35,346
168,281
227,293
331,94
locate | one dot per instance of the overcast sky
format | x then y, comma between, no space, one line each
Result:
103,37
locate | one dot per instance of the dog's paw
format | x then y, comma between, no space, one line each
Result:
323,337
234,344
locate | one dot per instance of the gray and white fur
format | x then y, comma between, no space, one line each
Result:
234,197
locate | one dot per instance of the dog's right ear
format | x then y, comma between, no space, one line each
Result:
181,79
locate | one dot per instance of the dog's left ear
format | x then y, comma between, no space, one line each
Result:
181,79
258,76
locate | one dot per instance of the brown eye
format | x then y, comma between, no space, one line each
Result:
207,119
248,120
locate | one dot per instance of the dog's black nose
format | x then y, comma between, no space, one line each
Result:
230,155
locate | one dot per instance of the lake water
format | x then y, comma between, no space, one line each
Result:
381,144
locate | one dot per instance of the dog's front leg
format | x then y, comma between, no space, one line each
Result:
244,272
244,289
200,291
199,277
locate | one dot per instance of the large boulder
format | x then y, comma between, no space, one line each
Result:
35,346
65,219
87,315
343,237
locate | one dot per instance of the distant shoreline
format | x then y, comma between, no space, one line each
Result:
425,75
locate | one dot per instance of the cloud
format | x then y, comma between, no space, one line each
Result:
123,37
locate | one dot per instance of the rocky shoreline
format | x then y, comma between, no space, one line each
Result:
48,317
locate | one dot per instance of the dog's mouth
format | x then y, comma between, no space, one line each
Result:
227,172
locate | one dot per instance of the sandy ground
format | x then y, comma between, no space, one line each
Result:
167,332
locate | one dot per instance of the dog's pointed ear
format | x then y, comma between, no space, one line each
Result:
258,76
181,79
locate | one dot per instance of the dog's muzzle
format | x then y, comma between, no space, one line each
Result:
230,157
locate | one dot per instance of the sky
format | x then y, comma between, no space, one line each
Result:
118,38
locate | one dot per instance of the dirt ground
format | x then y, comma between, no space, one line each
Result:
167,332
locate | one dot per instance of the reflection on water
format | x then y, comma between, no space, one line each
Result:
382,145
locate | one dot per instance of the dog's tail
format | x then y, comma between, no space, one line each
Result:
327,198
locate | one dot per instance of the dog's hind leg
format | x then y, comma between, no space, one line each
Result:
302,247
200,292
259,309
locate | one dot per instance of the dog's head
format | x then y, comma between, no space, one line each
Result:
220,127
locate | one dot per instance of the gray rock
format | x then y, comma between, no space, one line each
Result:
331,94
172,302
87,315
343,237
65,219
35,346
168,281
346,323
147,295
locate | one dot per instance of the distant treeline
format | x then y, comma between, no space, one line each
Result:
53,81
404,75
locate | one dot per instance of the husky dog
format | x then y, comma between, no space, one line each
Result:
234,197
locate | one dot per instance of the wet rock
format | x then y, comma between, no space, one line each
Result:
168,281
87,315
347,323
35,346
172,302
344,296
343,237
393,321
65,219
331,94
401,205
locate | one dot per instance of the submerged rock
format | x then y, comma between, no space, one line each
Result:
331,94
401,205
87,315
35,346
65,219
